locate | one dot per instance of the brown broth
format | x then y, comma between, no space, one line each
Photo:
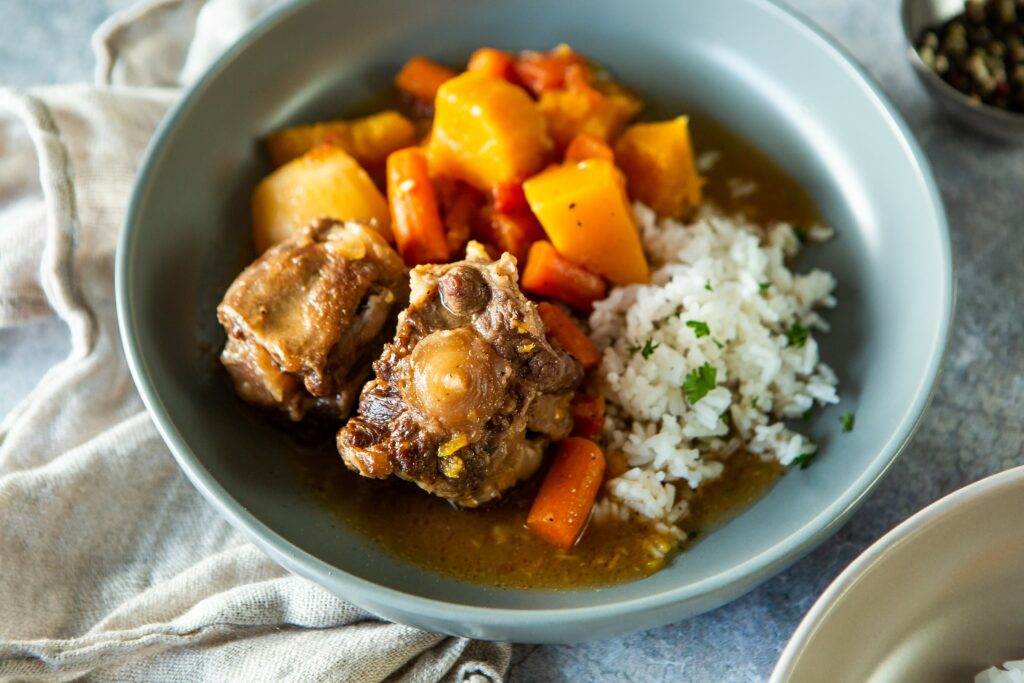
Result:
779,199
492,545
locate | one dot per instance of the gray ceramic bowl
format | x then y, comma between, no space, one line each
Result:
936,600
919,15
754,66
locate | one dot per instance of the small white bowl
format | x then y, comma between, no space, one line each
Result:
939,598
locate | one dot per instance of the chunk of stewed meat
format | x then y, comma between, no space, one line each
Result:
305,320
454,404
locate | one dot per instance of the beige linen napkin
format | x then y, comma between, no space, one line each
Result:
112,567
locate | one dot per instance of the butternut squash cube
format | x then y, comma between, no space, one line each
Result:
586,213
486,131
658,162
369,140
571,112
325,181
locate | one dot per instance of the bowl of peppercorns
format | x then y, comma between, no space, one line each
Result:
969,55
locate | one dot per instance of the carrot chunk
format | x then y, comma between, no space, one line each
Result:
460,206
562,506
566,332
420,78
493,63
544,71
513,232
509,197
415,219
548,273
587,415
586,146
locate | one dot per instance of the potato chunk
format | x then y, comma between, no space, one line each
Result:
658,162
586,213
323,182
486,131
369,139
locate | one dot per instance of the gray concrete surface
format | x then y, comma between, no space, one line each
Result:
972,429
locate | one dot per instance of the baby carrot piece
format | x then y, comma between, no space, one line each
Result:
548,273
566,332
509,197
586,146
421,78
493,63
415,219
587,415
512,232
562,506
543,71
460,209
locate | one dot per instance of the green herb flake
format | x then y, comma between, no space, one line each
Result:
753,403
649,347
764,286
707,286
700,329
633,348
699,382
718,343
725,417
804,459
847,421
796,335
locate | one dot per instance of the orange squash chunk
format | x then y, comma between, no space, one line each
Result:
587,215
486,131
369,140
573,111
657,159
323,182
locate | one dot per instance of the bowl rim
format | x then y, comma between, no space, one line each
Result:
952,95
715,590
920,522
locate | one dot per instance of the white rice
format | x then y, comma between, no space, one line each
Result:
707,160
1010,672
717,271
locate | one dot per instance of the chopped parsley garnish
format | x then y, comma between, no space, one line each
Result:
764,286
804,459
718,343
633,348
700,329
724,417
808,414
649,347
707,286
699,382
797,335
753,403
847,421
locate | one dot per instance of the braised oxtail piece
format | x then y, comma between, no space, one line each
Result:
470,393
305,319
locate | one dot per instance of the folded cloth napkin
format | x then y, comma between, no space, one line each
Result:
112,567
